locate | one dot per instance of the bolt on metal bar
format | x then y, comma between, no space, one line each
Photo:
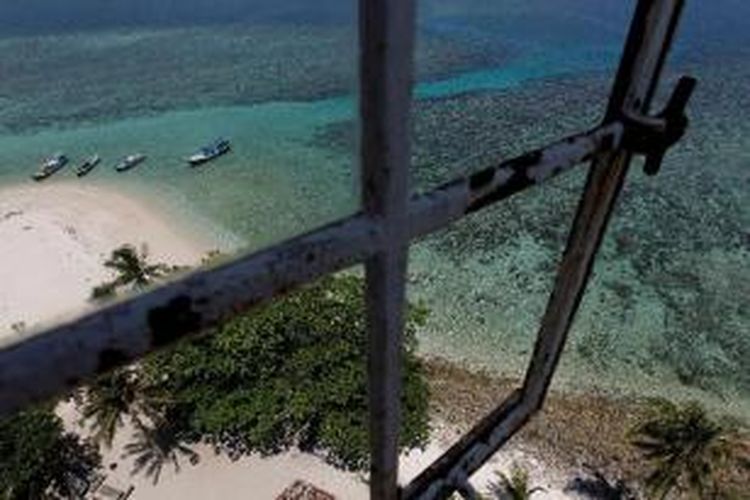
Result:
41,364
386,71
646,48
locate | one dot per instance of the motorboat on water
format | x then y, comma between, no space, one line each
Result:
210,152
129,162
88,166
50,166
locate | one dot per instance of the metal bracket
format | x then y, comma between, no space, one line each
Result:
652,136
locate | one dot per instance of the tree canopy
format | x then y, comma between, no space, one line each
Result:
39,460
291,373
132,269
108,400
688,449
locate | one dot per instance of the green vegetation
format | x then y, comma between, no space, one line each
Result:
132,269
688,450
39,460
513,486
156,446
292,373
111,398
596,484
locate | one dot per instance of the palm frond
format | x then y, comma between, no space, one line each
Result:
154,447
513,486
685,446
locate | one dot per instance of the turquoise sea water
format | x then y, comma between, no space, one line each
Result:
664,313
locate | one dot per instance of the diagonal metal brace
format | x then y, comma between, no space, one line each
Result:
652,136
651,33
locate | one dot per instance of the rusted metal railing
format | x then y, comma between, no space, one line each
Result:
42,364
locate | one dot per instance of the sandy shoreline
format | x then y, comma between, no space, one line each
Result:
55,238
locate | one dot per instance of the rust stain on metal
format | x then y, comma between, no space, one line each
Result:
109,359
175,320
496,183
527,160
481,178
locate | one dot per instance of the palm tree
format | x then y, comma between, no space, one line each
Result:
39,459
108,400
514,486
131,268
156,446
125,392
686,447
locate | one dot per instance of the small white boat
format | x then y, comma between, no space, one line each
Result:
88,166
129,162
50,166
210,152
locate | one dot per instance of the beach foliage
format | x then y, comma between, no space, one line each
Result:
112,398
514,485
132,269
39,460
292,373
688,450
596,484
125,394
156,446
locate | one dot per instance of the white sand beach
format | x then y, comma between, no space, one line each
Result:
54,239
216,477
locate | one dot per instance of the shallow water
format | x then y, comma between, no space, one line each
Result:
664,314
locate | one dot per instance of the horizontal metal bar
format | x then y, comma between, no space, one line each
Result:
43,364
431,211
60,358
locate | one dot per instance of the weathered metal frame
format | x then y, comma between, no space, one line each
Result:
386,67
646,48
42,364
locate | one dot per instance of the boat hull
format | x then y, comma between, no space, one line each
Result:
39,176
87,167
129,164
197,161
48,172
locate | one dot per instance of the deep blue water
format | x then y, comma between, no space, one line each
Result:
41,16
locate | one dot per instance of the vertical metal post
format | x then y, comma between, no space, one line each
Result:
386,72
